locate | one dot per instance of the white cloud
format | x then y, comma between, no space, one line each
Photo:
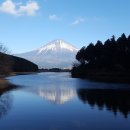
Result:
19,9
8,7
54,17
78,21
89,20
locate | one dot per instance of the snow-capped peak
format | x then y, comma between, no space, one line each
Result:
57,45
56,54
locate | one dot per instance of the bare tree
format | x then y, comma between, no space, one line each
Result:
3,49
5,60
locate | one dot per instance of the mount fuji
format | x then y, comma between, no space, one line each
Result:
56,54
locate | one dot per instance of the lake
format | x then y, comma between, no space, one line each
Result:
55,101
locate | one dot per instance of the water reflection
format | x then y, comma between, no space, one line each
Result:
6,98
113,100
58,88
5,104
56,95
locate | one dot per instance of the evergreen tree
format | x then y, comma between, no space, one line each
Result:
112,56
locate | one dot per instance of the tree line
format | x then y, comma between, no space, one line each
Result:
111,56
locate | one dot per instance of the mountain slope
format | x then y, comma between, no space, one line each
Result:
56,54
10,63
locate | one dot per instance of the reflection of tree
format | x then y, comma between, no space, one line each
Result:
113,100
5,103
5,97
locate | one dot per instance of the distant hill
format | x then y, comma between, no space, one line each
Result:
9,63
56,54
23,65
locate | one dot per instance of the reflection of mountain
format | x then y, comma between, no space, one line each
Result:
57,95
113,100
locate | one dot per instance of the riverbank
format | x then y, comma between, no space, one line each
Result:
105,76
2,77
6,86
3,84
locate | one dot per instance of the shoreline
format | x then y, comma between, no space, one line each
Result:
16,73
107,77
5,84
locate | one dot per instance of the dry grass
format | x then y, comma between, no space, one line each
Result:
3,84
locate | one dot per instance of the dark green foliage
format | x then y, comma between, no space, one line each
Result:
110,56
80,55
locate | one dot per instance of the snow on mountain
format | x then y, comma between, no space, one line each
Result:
56,54
57,95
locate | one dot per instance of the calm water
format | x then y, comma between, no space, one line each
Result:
54,101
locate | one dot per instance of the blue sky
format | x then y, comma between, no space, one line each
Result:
28,24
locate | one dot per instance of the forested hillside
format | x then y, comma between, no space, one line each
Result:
104,61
